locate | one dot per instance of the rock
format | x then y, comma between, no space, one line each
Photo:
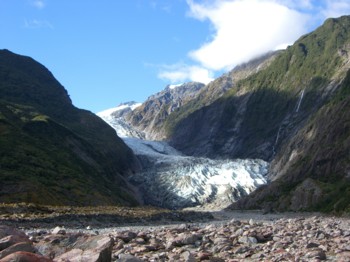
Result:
10,240
73,255
263,238
22,246
343,257
239,232
59,231
220,240
128,258
203,255
127,236
217,259
10,231
312,245
140,241
22,256
93,248
188,257
247,240
55,245
183,239
241,250
201,243
317,253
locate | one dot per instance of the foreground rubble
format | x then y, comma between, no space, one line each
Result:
295,239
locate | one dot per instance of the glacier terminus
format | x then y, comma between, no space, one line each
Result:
173,180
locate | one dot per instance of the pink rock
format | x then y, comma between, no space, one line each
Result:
7,231
10,240
22,256
343,257
95,248
23,246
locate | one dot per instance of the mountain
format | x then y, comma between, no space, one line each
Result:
52,152
115,118
150,116
167,178
311,171
289,108
293,113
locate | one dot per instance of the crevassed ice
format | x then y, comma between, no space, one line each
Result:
173,180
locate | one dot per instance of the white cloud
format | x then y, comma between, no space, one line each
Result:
181,72
244,30
298,4
36,24
336,8
40,4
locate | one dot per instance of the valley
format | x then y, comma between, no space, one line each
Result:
271,134
173,180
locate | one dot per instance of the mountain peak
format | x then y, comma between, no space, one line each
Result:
38,87
51,152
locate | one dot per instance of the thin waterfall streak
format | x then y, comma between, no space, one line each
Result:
276,141
278,134
300,99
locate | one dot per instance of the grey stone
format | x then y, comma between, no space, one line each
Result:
128,258
247,240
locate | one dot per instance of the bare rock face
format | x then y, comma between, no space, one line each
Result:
149,118
307,194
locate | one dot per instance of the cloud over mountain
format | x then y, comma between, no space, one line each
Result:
244,29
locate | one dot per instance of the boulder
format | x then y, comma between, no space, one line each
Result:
10,240
22,256
22,246
89,248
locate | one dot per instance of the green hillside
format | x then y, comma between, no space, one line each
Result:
267,114
50,151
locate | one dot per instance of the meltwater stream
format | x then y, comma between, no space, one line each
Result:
172,180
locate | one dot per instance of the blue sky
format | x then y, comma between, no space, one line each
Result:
111,51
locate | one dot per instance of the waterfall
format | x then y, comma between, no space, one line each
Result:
299,102
276,141
287,121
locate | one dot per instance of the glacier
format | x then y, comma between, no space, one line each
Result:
173,180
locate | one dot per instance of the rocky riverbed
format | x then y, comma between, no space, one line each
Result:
230,236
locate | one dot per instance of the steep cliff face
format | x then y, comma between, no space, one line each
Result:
288,112
312,169
263,110
50,151
150,116
289,108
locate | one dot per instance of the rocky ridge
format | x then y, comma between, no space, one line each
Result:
299,238
149,117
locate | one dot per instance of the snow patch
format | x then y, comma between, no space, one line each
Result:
108,112
175,86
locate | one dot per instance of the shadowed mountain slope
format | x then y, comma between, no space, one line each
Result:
50,151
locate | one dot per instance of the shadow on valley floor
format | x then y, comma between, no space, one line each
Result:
33,216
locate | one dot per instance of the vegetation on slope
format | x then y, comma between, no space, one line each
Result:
269,115
316,162
263,106
50,151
